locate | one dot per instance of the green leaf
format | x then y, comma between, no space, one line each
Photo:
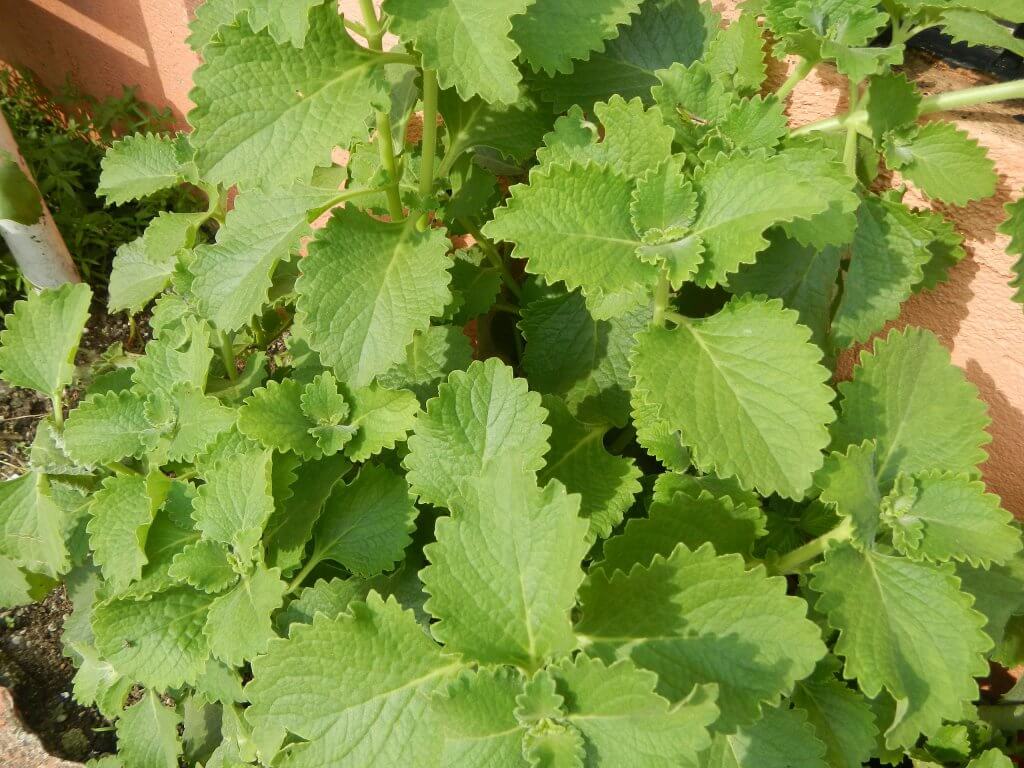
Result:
366,525
122,510
431,356
231,278
904,627
15,585
466,41
804,277
142,269
367,286
634,140
889,251
504,569
697,618
32,525
198,421
553,32
475,283
514,130
293,107
583,360
744,195
19,198
40,338
233,505
383,417
286,22
108,427
892,103
991,758
171,531
238,622
943,162
481,417
339,709
998,594
204,565
663,202
940,516
664,32
658,437
781,739
147,734
1014,227
477,711
920,410
572,224
157,641
736,55
181,355
144,163
754,405
625,722
849,483
606,484
841,717
690,520
975,28
273,417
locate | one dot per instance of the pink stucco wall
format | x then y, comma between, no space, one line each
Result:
104,43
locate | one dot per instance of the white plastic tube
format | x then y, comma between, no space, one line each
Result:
38,248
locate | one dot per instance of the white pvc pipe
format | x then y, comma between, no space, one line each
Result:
38,248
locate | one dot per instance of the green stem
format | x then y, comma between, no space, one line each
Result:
940,102
801,71
300,577
385,145
850,148
227,355
395,57
504,306
794,561
120,469
662,294
58,409
344,196
356,27
494,257
677,318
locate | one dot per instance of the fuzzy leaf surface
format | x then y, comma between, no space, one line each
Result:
904,627
944,162
746,389
147,734
141,164
238,623
367,286
504,569
235,502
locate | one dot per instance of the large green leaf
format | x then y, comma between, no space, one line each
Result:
746,390
466,41
326,684
505,568
367,286
572,224
781,739
695,617
231,277
919,409
904,627
481,417
268,113
40,338
32,525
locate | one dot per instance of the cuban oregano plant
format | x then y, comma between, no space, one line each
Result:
533,453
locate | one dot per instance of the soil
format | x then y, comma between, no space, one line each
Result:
32,664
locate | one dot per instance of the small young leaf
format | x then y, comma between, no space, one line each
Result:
109,427
238,622
383,418
204,565
943,161
233,505
892,104
478,712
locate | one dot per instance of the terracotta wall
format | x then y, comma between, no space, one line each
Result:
104,43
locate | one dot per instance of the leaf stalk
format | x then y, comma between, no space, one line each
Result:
796,560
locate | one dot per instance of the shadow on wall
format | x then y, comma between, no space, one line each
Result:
104,44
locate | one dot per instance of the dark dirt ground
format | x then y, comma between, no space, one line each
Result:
32,664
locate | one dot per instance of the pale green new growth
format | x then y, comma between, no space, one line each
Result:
142,164
147,734
233,505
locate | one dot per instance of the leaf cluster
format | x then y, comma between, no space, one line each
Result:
532,455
